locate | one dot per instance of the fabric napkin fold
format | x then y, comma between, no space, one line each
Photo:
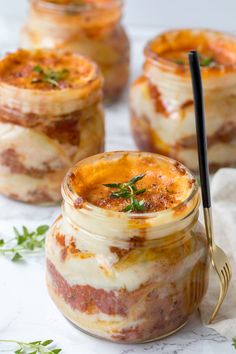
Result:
223,188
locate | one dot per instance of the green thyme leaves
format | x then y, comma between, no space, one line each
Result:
179,61
128,190
37,347
206,61
24,242
49,76
234,342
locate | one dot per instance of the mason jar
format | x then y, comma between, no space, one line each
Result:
128,276
161,99
51,117
92,28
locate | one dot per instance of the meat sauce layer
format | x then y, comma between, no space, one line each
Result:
157,315
45,70
166,184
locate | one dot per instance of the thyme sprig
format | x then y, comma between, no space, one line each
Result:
234,342
25,242
37,347
50,76
179,61
203,60
128,190
206,61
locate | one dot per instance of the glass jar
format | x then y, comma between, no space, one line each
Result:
127,277
91,28
51,117
161,99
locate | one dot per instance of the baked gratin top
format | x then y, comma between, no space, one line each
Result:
132,182
46,70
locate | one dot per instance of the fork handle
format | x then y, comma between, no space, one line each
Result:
209,226
200,127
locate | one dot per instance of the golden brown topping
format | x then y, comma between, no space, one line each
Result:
46,70
163,184
180,168
215,48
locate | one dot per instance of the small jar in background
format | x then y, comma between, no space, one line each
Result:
51,116
161,99
128,276
91,28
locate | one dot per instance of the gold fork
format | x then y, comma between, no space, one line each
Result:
219,259
197,284
219,262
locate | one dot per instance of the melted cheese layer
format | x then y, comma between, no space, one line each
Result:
113,273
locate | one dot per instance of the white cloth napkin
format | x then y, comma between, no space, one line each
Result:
224,215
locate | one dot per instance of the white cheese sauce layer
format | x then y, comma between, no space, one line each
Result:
180,122
100,270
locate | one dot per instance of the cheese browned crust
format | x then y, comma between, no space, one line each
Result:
79,89
167,184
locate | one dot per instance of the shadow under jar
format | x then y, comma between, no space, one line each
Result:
50,118
89,27
161,99
128,276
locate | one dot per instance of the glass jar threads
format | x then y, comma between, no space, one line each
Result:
91,28
161,99
128,274
51,117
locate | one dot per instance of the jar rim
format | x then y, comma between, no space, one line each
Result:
76,8
157,58
70,196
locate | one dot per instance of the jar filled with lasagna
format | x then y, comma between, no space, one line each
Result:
92,28
128,259
162,108
50,118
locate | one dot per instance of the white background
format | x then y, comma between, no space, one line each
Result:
219,14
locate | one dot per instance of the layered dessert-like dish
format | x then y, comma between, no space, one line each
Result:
128,260
161,98
89,27
50,118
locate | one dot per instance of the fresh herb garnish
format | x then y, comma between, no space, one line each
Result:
25,242
205,61
128,190
179,61
37,347
234,342
50,76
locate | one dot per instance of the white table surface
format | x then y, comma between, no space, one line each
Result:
26,311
